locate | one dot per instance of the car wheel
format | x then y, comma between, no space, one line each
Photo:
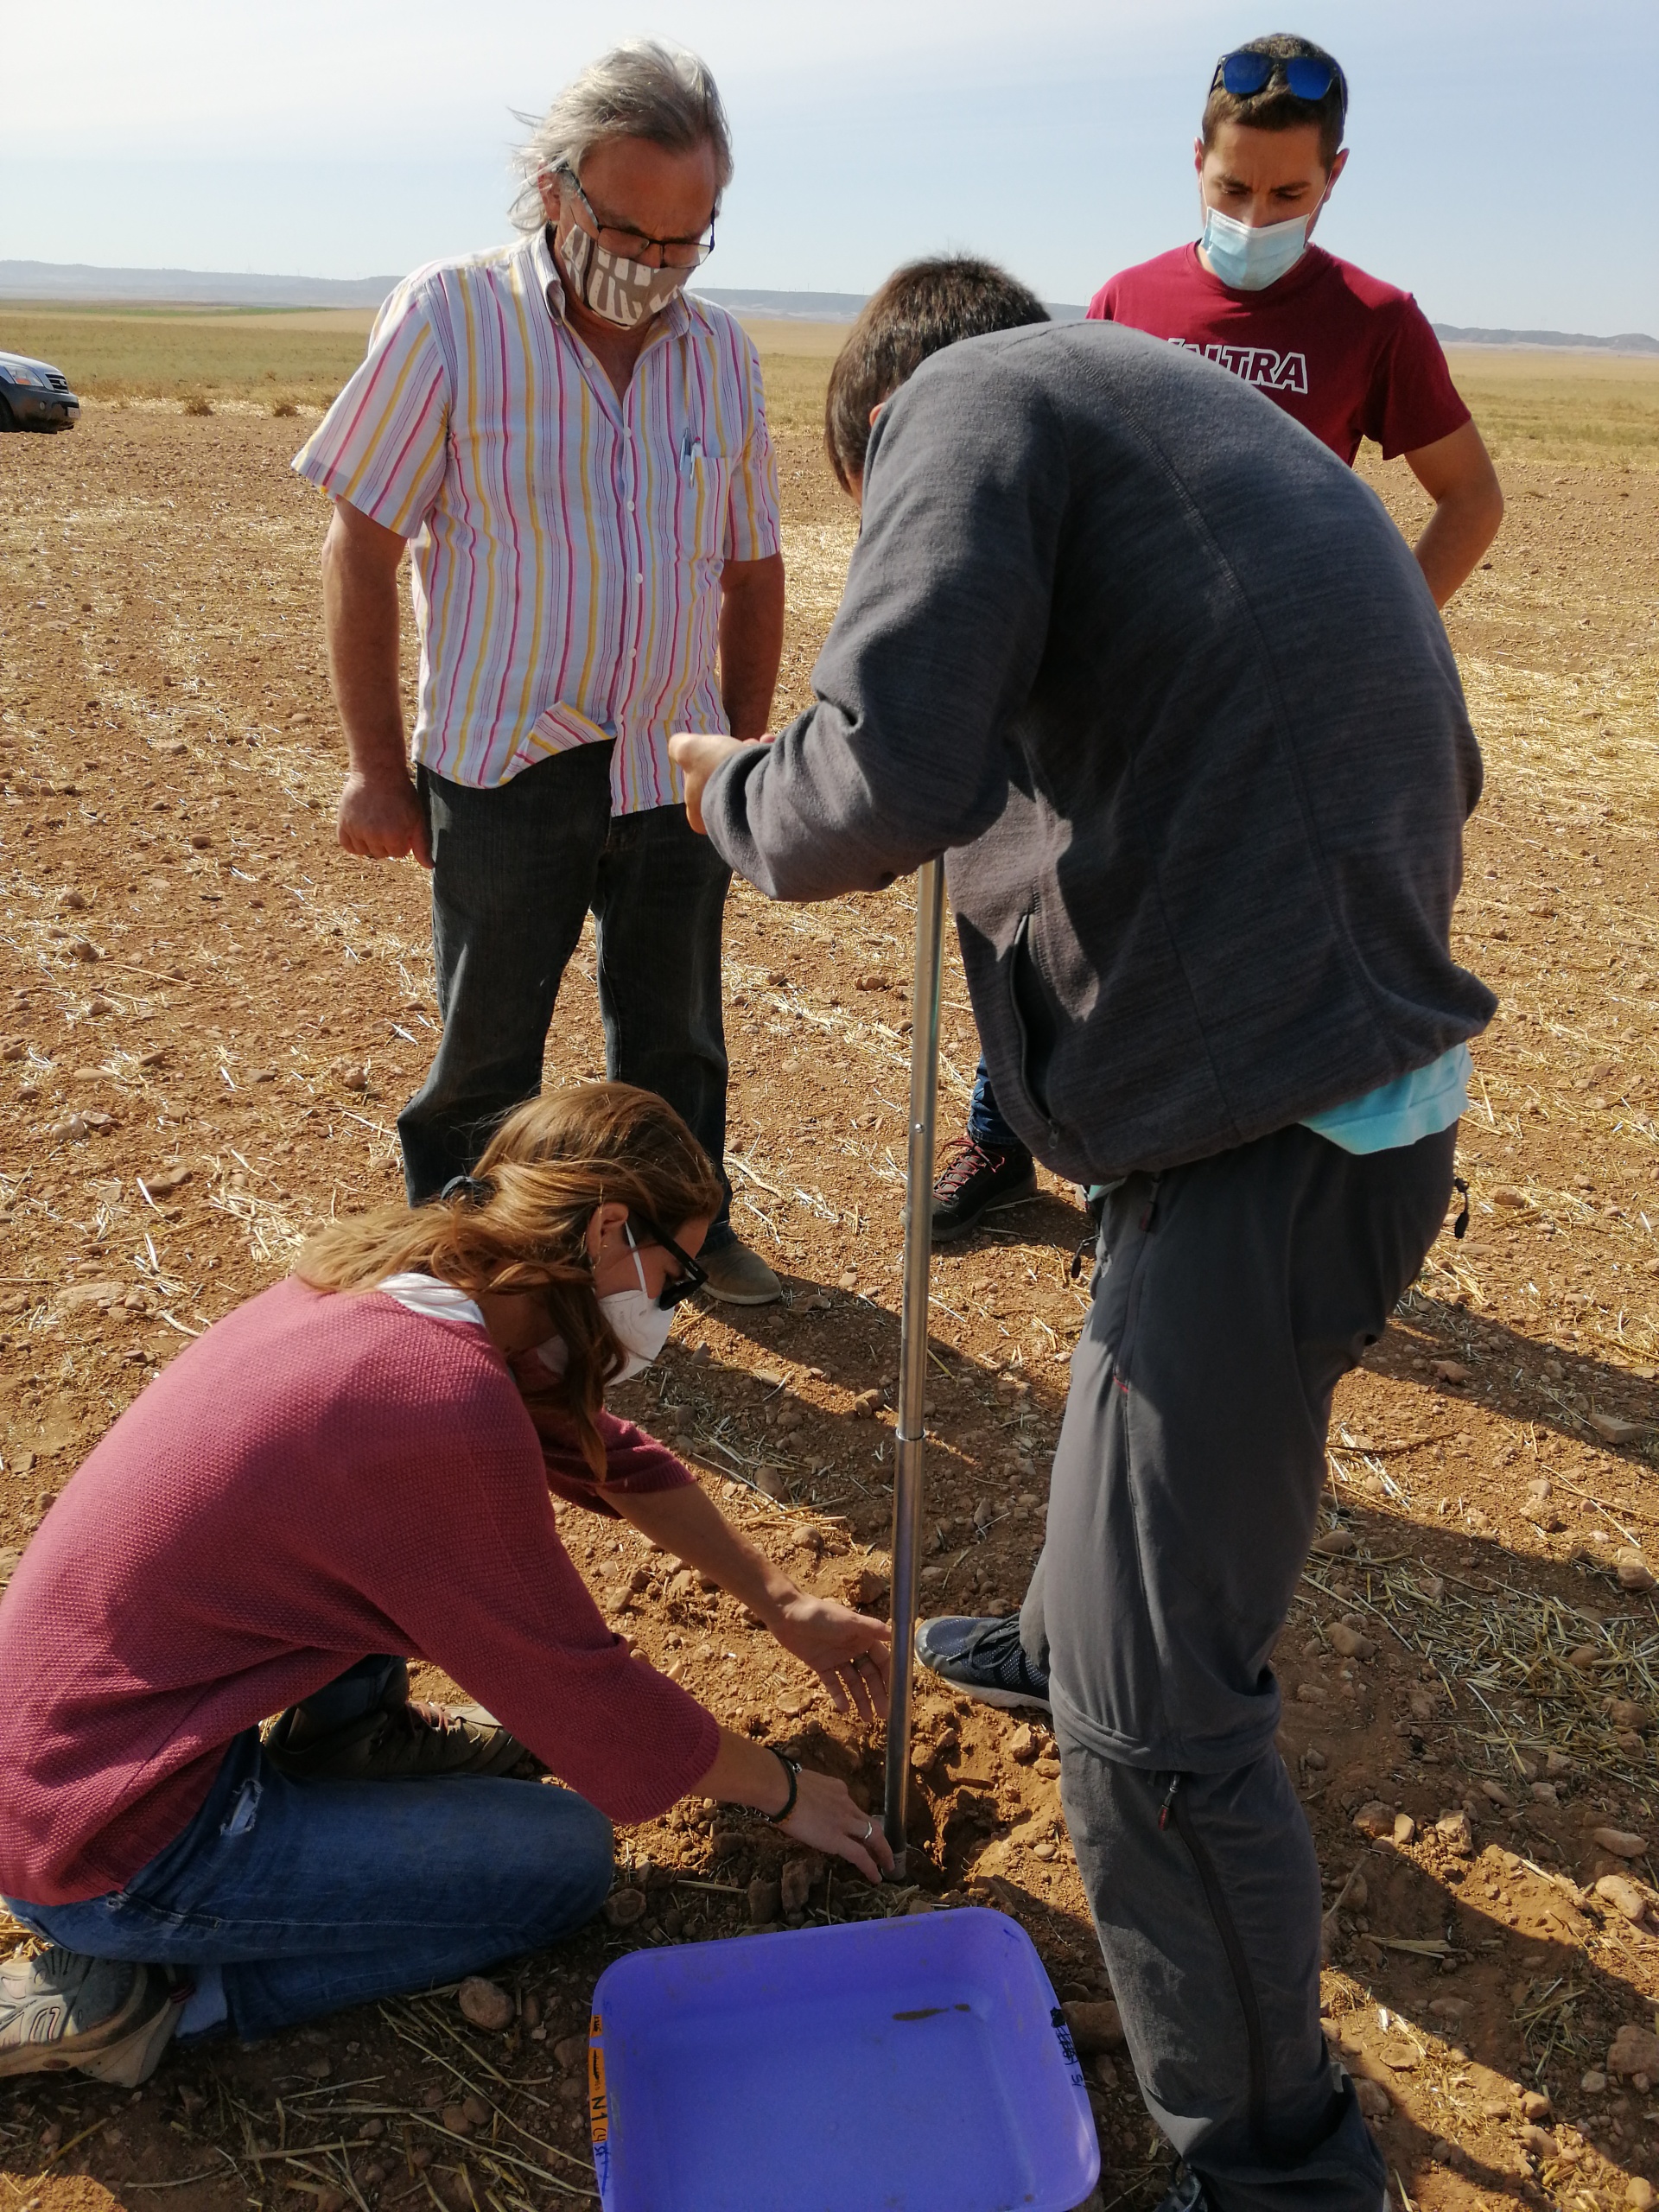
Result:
6,421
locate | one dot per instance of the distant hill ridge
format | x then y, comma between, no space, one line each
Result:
83,284
78,281
793,307
1628,342
830,307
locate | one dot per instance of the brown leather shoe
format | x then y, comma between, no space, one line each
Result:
413,1742
737,1276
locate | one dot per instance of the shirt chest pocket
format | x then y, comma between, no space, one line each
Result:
703,488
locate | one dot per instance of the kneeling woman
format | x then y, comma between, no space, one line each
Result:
358,1462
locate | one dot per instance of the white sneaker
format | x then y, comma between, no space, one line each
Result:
102,2017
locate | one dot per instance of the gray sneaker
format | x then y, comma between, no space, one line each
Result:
102,2017
983,1658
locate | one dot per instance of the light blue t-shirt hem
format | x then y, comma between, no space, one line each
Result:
1418,1105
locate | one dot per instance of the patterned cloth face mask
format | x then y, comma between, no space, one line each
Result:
625,293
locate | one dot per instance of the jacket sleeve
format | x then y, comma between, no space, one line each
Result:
935,650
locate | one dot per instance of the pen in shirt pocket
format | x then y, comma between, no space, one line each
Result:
690,453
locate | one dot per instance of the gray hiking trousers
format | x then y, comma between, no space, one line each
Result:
1228,1299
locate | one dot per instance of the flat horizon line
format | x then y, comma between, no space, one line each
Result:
48,283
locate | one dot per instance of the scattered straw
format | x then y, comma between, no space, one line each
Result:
1505,1648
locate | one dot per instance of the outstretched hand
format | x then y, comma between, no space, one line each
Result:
697,758
829,1819
850,1653
825,1813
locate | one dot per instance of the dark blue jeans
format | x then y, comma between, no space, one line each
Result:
516,869
985,1121
301,1897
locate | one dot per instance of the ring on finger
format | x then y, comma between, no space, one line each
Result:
869,1830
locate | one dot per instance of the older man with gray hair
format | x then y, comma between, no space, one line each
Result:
578,450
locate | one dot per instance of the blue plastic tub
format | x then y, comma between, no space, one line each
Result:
913,2065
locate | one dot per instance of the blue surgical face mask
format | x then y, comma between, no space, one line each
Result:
1249,259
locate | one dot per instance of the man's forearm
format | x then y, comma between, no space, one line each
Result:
1457,473
751,641
1455,536
381,817
360,622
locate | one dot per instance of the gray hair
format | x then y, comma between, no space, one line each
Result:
640,89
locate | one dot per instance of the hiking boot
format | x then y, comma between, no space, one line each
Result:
977,1179
983,1659
737,1276
103,2017
412,1741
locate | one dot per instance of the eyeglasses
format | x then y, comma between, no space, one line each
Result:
634,246
691,1277
1244,71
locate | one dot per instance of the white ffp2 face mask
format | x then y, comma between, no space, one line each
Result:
637,1322
1247,259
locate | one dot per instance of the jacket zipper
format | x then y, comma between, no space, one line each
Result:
1204,1865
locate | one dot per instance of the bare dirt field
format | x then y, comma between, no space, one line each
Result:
210,1018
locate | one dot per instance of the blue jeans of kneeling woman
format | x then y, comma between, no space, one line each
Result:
287,1899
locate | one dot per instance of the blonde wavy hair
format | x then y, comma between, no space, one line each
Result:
519,1224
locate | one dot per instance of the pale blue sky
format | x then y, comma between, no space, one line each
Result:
1496,166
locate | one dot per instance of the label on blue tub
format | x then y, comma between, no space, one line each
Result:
599,2107
598,2113
1068,2049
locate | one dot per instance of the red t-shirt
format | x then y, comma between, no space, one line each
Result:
1348,356
318,1477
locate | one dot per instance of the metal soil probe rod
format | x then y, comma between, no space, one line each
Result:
912,1357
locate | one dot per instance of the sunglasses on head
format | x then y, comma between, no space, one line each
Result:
1244,72
677,1288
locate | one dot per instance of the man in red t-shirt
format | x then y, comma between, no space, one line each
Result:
1348,356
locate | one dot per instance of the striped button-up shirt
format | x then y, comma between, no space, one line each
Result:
568,544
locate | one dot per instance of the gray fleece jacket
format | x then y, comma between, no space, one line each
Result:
1163,680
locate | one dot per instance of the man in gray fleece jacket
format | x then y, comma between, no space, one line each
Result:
1162,679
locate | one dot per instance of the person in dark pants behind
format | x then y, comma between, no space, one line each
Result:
577,449
1346,355
1163,681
